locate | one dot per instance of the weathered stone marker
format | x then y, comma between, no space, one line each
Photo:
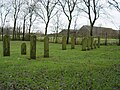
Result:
89,43
23,49
33,47
63,43
95,44
72,42
84,44
98,42
92,41
46,46
6,45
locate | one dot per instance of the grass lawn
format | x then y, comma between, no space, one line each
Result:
97,69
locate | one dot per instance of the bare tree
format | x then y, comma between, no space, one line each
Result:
45,10
115,4
92,9
17,4
68,7
4,11
32,16
56,24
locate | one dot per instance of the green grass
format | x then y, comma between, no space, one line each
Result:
97,69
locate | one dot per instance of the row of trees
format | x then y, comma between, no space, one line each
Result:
28,11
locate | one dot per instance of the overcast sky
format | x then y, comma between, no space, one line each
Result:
110,21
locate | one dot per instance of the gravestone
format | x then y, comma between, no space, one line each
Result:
6,45
72,42
33,47
95,44
46,46
23,49
98,42
84,44
89,43
64,43
92,41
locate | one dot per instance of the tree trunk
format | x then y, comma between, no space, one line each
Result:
30,25
2,33
68,32
46,27
24,30
91,30
13,37
119,38
56,38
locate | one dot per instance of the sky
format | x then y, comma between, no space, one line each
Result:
110,21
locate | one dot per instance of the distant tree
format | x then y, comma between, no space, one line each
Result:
32,17
56,24
115,4
17,4
45,10
4,11
92,9
68,7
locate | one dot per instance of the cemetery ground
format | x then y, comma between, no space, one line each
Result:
71,69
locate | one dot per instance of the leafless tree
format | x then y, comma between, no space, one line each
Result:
4,11
92,9
45,10
56,24
115,4
17,4
32,16
68,7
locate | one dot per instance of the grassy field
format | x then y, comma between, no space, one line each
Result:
98,69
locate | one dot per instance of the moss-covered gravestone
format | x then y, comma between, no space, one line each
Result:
23,49
89,43
92,42
46,46
72,42
84,44
98,42
33,47
6,45
63,43
95,44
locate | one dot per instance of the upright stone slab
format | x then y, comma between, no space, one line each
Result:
6,45
92,42
72,42
33,47
84,44
98,42
23,49
89,43
64,43
46,46
95,44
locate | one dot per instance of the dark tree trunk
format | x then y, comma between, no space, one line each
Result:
68,31
13,37
119,38
91,30
2,33
30,25
46,27
24,29
106,38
